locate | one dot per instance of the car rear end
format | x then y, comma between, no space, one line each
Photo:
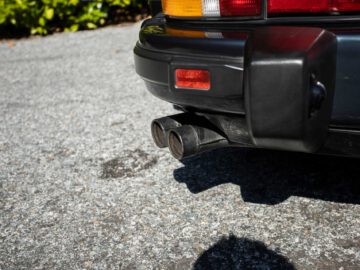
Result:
277,74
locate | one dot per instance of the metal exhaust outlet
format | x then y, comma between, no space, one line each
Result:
161,127
188,140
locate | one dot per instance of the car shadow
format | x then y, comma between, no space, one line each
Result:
271,177
241,253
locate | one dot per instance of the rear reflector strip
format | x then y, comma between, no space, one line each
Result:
185,33
197,79
201,34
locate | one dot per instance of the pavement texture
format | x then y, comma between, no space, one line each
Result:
83,186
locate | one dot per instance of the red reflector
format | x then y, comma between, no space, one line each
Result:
240,7
192,79
311,6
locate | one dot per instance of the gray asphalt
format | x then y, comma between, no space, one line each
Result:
83,186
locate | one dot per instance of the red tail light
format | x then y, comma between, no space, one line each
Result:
346,5
248,8
240,7
296,6
311,6
198,79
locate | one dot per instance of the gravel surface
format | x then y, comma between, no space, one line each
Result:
83,186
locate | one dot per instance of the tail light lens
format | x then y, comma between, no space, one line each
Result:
296,6
248,8
240,7
346,5
182,8
211,8
311,6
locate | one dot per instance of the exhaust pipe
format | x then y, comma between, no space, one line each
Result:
189,140
160,127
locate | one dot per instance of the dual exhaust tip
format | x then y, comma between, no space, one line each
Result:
185,135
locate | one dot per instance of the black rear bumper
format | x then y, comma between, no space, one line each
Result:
224,54
226,95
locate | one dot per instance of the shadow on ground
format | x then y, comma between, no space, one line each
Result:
241,253
270,177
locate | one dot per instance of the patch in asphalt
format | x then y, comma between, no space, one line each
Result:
128,165
4,147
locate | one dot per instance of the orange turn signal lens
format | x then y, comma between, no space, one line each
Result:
197,79
182,8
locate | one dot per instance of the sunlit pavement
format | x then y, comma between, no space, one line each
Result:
83,186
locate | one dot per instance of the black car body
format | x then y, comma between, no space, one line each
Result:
281,81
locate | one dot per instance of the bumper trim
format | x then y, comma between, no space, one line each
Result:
226,93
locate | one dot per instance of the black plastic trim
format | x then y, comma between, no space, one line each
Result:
225,95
